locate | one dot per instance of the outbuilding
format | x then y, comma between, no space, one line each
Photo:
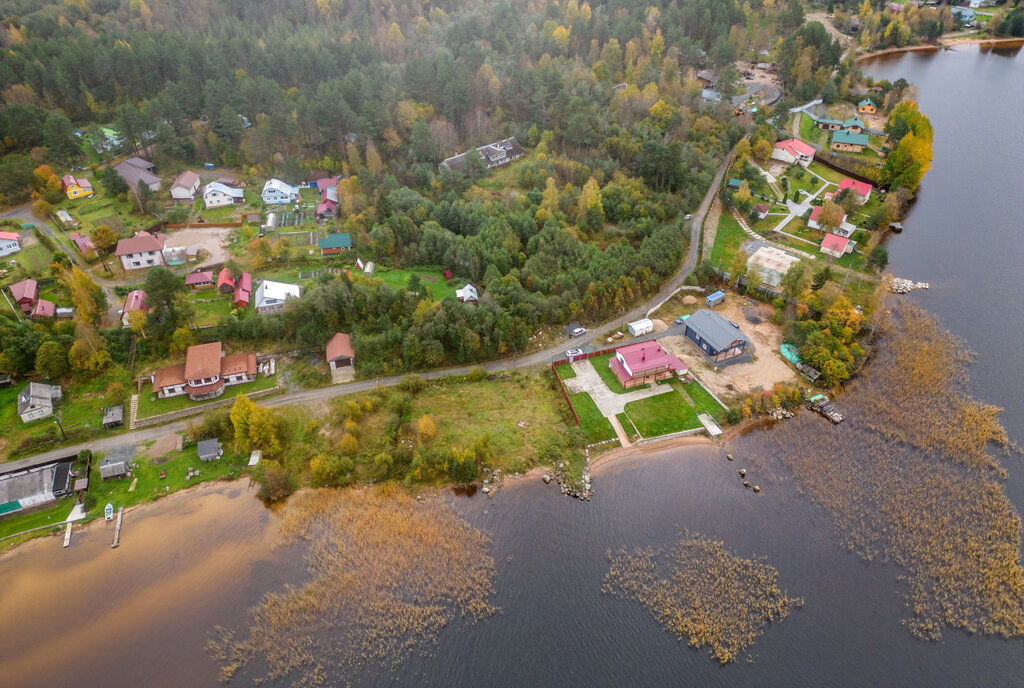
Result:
719,339
640,327
339,351
113,416
209,450
714,299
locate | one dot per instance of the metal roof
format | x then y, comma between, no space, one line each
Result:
714,329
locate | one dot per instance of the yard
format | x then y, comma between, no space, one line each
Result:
728,239
399,279
211,307
148,406
594,426
673,411
53,515
808,129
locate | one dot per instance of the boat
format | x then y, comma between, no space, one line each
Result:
108,511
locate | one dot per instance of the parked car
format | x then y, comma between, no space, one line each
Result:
689,216
572,353
578,332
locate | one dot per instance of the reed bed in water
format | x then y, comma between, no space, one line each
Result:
908,478
387,574
702,592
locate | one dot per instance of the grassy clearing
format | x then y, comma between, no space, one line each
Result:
148,407
34,259
211,306
627,424
593,424
565,371
808,130
728,239
434,281
826,172
702,399
662,414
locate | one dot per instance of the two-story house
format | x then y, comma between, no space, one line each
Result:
217,195
276,192
144,250
205,373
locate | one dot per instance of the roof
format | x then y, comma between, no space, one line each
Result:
244,282
866,101
139,163
796,147
340,346
278,185
859,188
113,470
717,295
241,297
135,301
199,277
325,183
834,242
142,242
467,293
326,207
761,208
707,75
208,447
203,360
335,241
647,355
854,122
276,291
113,414
186,180
238,363
225,278
773,262
714,329
847,136
496,152
224,189
25,289
38,394
171,375
10,236
733,181
44,309
83,242
135,170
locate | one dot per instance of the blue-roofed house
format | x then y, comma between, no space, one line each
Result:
716,337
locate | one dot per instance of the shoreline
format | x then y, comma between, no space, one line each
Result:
943,44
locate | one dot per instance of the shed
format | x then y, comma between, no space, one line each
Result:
719,339
339,351
112,470
735,183
113,416
714,299
642,326
209,450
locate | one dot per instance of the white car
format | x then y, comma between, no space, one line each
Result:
573,353
579,332
688,216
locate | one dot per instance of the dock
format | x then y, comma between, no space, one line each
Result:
67,536
820,403
713,428
117,528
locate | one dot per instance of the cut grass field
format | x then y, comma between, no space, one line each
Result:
595,427
808,130
728,239
34,259
149,408
565,371
399,279
211,306
673,411
52,516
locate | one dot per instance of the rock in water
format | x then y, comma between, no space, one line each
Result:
546,479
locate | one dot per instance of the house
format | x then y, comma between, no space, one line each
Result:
339,351
643,363
761,210
867,107
225,282
209,450
769,264
135,170
140,251
714,299
114,469
854,124
113,416
836,246
271,296
135,301
185,186
861,191
82,243
448,274
467,294
25,294
276,192
827,124
205,374
640,327
719,339
199,280
493,154
44,309
793,150
217,195
37,401
75,188
846,140
966,15
813,220
243,291
334,243
10,242
707,78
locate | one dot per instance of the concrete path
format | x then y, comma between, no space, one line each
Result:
621,432
608,402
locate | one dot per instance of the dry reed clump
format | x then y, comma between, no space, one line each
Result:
701,591
387,575
907,478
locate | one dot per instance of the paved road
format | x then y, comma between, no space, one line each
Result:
540,357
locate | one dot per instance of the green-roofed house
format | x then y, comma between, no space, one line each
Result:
848,141
735,183
867,107
854,124
334,243
826,124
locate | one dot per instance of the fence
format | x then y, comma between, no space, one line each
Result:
196,410
562,361
189,225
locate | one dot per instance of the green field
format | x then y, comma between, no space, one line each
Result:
595,427
399,279
808,130
662,414
565,371
211,306
148,407
627,424
728,239
34,259
54,515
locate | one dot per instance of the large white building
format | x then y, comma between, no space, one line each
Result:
270,296
276,192
10,242
216,195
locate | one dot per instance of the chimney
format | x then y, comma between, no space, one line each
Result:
643,354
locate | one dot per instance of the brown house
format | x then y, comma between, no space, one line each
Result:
205,374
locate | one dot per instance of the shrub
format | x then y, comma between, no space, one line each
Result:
274,482
476,374
412,384
426,428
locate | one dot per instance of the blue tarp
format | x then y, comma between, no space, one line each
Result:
790,353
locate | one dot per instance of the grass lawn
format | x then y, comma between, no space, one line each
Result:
150,487
808,130
728,239
627,424
54,515
565,371
600,364
595,427
149,408
211,306
808,183
398,279
662,414
221,213
34,259
703,401
826,172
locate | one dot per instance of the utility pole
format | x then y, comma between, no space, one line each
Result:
56,421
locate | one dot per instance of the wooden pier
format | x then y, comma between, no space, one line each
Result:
67,536
117,528
820,403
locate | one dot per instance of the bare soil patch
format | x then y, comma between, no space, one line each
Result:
209,239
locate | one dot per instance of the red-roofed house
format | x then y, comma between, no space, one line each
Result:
761,210
794,150
225,281
207,371
199,280
836,246
141,251
43,309
135,301
643,363
861,191
82,242
243,292
10,242
75,188
25,294
339,351
816,212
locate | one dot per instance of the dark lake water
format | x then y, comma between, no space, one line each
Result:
140,615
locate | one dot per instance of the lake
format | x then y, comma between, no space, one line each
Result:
141,614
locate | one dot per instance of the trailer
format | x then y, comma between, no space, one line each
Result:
641,327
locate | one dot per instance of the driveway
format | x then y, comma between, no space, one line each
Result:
608,402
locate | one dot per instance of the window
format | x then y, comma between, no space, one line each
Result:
135,263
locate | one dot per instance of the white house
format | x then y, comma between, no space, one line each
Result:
216,195
793,150
270,296
10,242
141,251
276,192
467,294
185,186
37,401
